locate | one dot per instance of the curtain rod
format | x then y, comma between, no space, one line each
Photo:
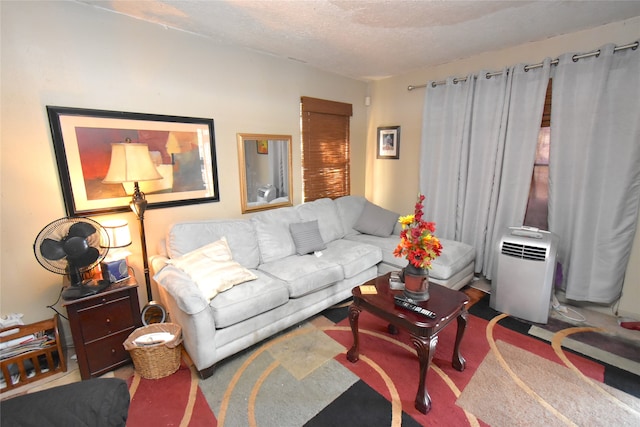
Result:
575,58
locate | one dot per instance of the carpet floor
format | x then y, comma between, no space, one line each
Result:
515,375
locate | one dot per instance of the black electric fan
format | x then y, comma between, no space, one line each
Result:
73,246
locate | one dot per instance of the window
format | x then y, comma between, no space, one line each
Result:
538,204
325,148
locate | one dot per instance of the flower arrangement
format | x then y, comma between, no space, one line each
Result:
417,243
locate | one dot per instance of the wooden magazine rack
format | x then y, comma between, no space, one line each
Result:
33,359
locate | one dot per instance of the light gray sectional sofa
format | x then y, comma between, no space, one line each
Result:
291,263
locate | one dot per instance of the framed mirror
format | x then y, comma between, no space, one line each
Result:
265,171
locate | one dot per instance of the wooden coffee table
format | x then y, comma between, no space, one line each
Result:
376,297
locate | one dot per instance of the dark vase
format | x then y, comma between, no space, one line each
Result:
416,283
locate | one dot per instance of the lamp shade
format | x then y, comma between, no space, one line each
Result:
130,162
118,231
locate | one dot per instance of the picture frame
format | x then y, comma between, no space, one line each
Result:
182,149
388,146
263,146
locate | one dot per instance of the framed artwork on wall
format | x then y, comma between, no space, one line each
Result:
263,146
182,150
388,142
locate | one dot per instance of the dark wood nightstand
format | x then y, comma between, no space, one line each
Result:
100,324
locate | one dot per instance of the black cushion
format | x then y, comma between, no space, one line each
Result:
95,402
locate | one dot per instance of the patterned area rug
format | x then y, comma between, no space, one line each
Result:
302,378
175,400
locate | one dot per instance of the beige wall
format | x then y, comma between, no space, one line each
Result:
73,55
392,104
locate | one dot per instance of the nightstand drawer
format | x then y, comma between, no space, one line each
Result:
105,319
100,324
108,352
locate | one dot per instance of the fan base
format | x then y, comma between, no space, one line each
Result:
90,287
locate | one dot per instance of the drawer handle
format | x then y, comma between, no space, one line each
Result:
113,351
108,320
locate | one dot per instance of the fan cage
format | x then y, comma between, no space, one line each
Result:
58,230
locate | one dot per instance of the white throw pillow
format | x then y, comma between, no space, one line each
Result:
212,268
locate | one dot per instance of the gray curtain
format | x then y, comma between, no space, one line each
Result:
594,169
516,155
477,154
279,166
445,128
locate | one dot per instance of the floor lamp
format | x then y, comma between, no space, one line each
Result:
131,162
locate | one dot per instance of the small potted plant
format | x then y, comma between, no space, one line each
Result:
419,245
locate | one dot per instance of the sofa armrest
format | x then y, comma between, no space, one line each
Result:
158,262
182,289
188,308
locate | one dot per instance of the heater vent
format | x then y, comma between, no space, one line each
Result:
517,250
524,273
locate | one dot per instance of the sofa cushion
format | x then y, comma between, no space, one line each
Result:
326,213
349,209
184,237
386,244
455,256
272,231
353,257
306,237
248,300
212,268
304,274
376,220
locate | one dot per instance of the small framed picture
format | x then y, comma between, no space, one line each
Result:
263,146
388,142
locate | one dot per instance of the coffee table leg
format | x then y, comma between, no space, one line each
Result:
458,361
425,348
353,353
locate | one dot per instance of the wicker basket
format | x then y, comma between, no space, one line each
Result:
157,360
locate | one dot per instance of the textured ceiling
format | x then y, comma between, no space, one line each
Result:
373,39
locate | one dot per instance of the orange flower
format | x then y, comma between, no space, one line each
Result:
417,243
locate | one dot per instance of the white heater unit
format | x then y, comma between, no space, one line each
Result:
526,265
266,193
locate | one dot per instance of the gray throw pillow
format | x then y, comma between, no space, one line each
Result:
376,220
306,236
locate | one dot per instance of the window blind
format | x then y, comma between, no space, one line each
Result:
546,114
325,148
